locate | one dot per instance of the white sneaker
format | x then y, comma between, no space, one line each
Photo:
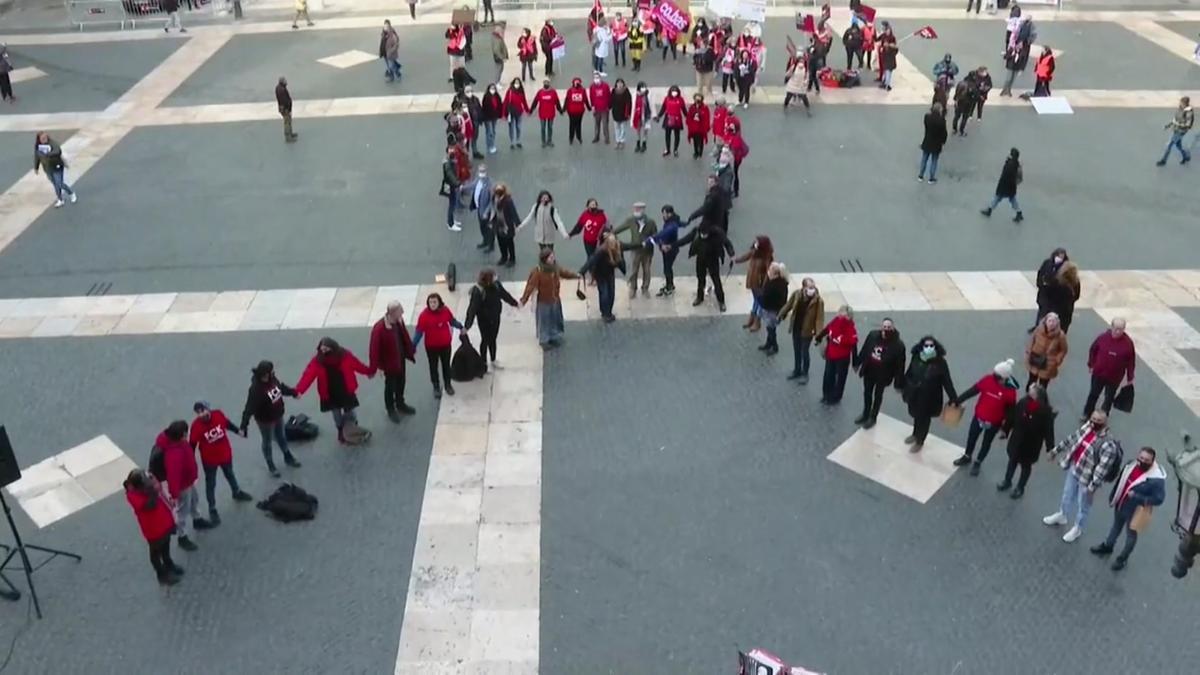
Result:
457,227
74,197
1056,518
1072,534
58,203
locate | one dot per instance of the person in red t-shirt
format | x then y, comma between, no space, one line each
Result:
601,96
145,497
698,125
841,337
208,435
592,223
546,102
576,103
434,324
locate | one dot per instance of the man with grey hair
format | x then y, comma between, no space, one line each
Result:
1111,359
390,347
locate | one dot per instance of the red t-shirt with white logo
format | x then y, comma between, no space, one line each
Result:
212,438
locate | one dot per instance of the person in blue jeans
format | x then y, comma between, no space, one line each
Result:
264,402
1179,126
933,142
47,156
450,187
603,265
1006,188
389,51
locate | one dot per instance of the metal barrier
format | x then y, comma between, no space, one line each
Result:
96,12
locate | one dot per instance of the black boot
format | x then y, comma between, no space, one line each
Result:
963,461
291,461
975,468
214,518
869,423
1003,486
187,544
437,390
449,388
861,418
242,496
202,524
1018,493
1102,549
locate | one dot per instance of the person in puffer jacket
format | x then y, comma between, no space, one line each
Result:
156,522
179,465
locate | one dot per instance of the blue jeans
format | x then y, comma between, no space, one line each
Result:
59,182
606,288
269,431
547,131
489,130
887,78
393,69
514,129
1121,519
930,159
1076,501
343,415
598,63
451,205
1176,142
1011,200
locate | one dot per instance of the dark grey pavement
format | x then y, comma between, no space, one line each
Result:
699,514
259,596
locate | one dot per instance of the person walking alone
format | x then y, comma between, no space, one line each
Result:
264,402
171,7
6,67
434,323
880,364
178,462
48,157
301,10
156,522
335,369
208,435
545,280
997,392
841,341
1180,125
1087,456
390,346
807,309
1141,486
1030,426
389,51
1006,187
932,143
284,100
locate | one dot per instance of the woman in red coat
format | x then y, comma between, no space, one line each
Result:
672,113
592,223
335,370
527,49
841,344
156,522
434,324
737,144
576,103
515,108
548,107
698,125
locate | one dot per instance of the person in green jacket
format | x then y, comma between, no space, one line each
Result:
47,156
641,228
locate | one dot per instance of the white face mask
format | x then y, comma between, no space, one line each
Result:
1058,259
810,292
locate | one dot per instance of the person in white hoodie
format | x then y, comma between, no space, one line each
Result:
1141,485
547,225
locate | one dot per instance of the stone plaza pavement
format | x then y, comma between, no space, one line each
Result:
640,500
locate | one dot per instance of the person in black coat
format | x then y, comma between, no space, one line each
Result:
1006,188
1029,427
486,296
773,297
927,377
879,363
504,220
708,244
933,142
603,264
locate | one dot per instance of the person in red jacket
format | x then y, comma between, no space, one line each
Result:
601,97
672,113
527,49
174,461
434,324
841,341
208,434
515,108
737,145
335,368
1111,359
698,125
592,223
642,114
997,393
390,347
720,119
154,519
575,104
548,107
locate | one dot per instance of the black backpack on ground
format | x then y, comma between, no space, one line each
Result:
467,364
300,428
289,503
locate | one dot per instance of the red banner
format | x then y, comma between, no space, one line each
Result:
671,19
867,13
926,33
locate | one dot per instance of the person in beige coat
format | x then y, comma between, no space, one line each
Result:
807,310
547,226
1046,351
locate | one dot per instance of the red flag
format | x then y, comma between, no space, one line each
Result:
806,24
867,13
926,33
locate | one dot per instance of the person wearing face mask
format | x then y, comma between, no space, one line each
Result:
474,108
335,369
879,363
773,297
794,85
600,95
390,346
434,324
642,114
515,108
841,339
208,435
504,223
450,186
576,104
1057,288
622,108
1046,351
481,204
1111,359
548,106
545,280
997,393
1088,456
1029,426
666,240
264,402
527,51
486,296
601,44
927,377
745,71
1011,176
709,246
722,170
740,149
672,113
698,123
641,229
491,109
620,37
546,39
547,226
1141,486
637,44
888,50
807,310
592,223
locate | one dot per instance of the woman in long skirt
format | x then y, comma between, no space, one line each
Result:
546,281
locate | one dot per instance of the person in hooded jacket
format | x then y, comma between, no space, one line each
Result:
666,240
879,363
264,402
434,323
335,369
672,113
1046,351
1057,288
546,42
548,107
156,522
600,95
807,310
390,347
576,103
181,472
698,125
1006,187
491,110
927,377
997,392
739,148
603,264
622,108
1141,484
592,223
514,109
932,143
486,296
708,245
841,340
1030,427
547,226
208,435
642,115
771,301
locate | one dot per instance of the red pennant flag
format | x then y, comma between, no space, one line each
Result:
926,33
807,24
867,13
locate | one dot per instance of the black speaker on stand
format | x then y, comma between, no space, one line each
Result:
10,472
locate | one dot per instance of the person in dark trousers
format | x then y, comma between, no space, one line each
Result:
171,9
927,377
773,297
1016,59
966,95
708,244
744,72
1006,188
486,296
1043,72
434,323
841,341
154,519
1111,360
504,223
335,369
997,392
1142,484
932,142
264,402
491,111
1179,125
546,41
880,364
673,115
814,61
451,186
390,347
489,15
284,100
1030,427
852,40
575,104
603,264
641,229
807,309
482,205
1057,288
208,435
983,83
667,239
6,67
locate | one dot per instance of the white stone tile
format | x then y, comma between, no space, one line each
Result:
26,74
153,303
455,667
881,455
500,635
192,302
34,308
406,294
517,408
455,472
512,505
233,301
434,636
442,588
38,478
515,586
96,325
979,290
138,324
508,382
89,455
7,305
503,544
348,59
107,479
514,437
19,326
446,545
461,409
111,305
54,505
501,668
459,439
512,470
449,507
56,326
